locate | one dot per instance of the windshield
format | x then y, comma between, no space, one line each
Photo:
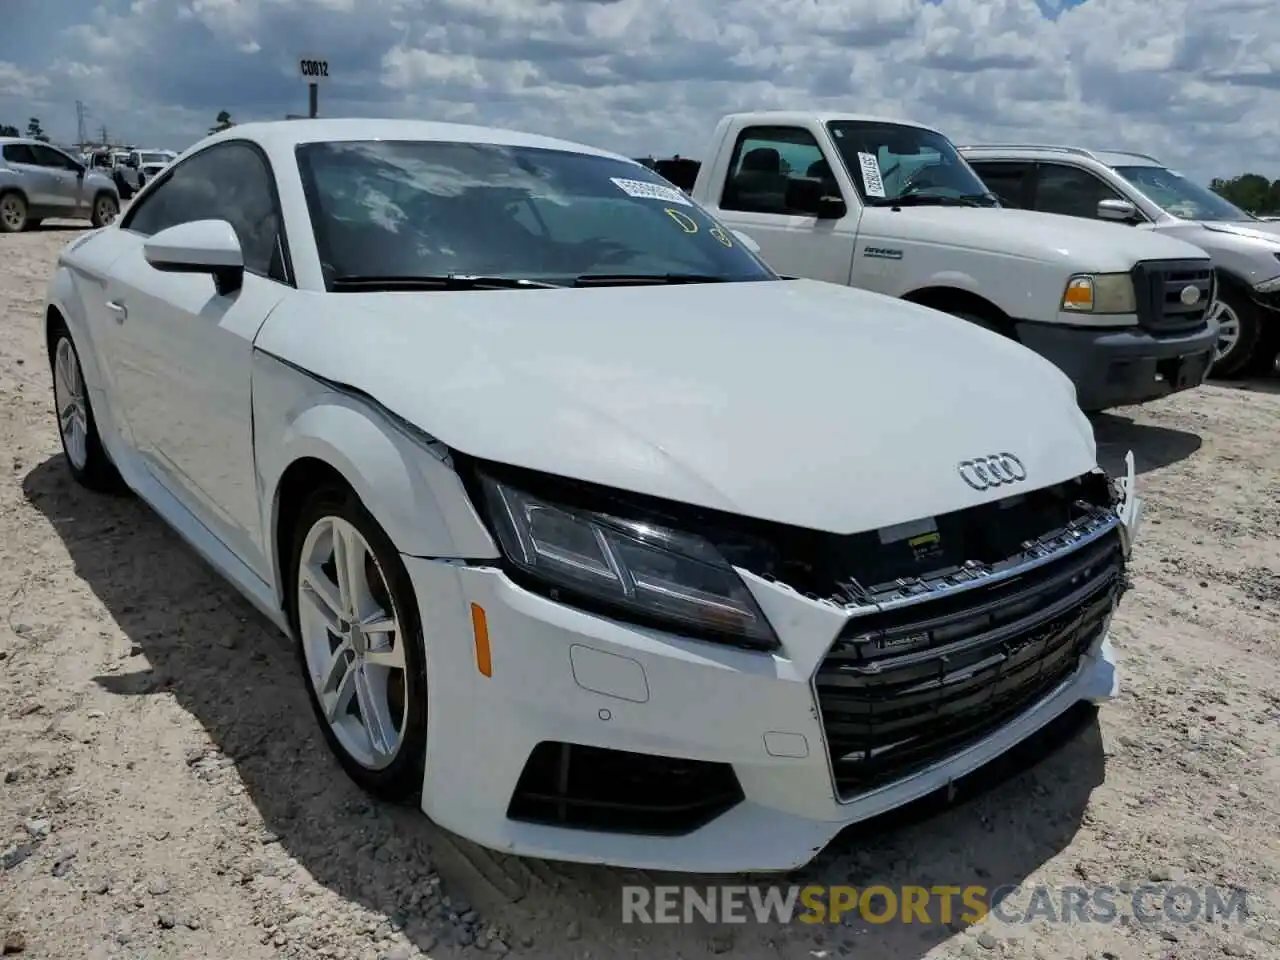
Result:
403,209
1177,195
890,161
155,158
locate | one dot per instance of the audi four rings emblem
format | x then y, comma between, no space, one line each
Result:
996,470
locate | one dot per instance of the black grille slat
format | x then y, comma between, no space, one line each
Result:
1159,285
903,688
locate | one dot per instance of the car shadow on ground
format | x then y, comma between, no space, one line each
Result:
61,227
1267,385
238,677
1153,447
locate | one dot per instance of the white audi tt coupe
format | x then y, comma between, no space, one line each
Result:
597,538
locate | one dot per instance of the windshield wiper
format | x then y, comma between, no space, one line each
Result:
444,281
622,279
927,200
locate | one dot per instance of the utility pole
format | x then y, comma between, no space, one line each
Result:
81,113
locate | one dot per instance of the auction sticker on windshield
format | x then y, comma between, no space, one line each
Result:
871,174
651,191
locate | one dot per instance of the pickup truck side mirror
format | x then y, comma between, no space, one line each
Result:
1117,210
811,198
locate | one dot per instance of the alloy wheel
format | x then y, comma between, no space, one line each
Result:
13,212
352,642
106,211
69,398
1228,329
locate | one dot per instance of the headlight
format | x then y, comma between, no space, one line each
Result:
1268,286
1100,293
676,581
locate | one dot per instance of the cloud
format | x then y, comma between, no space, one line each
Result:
1196,82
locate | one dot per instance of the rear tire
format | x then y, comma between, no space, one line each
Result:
13,212
77,428
345,573
105,210
1240,330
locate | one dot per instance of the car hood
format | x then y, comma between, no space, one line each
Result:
799,402
1086,245
1251,230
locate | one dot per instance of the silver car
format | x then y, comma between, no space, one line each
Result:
1138,190
38,181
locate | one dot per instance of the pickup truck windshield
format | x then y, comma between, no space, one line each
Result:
156,158
397,210
1179,196
891,161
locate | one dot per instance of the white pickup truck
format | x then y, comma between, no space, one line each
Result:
892,207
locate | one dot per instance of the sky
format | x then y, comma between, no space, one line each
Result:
1194,82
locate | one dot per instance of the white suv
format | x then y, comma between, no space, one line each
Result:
1138,189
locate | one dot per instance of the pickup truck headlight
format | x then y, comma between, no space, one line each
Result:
1100,293
673,580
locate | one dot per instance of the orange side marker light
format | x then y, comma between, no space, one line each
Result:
480,627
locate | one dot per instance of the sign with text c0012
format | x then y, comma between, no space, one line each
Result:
313,69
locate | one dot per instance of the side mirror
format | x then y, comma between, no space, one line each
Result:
747,241
201,246
1117,210
810,198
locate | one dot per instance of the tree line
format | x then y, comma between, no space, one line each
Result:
34,130
1249,191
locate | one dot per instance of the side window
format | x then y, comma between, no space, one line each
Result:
1070,190
56,159
19,153
764,161
1011,182
229,182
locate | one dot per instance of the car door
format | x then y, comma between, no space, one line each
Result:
37,182
754,200
66,181
1067,189
1010,181
181,354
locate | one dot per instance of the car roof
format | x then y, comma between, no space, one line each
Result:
791,117
1110,158
282,136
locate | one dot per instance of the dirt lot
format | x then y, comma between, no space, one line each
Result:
165,793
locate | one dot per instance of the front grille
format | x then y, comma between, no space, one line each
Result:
911,683
593,788
1159,286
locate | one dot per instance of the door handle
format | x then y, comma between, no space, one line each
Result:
119,309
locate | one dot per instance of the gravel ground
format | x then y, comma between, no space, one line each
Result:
165,793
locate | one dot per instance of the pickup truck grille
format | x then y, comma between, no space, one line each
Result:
1159,286
911,683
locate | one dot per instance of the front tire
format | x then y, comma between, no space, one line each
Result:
1239,333
81,444
13,212
355,619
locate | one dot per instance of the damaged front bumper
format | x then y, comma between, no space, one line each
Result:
586,739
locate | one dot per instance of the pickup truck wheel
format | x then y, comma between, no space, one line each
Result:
1239,330
13,213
